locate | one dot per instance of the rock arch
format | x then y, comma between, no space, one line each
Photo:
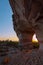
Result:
26,17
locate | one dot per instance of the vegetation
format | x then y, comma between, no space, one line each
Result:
9,43
36,45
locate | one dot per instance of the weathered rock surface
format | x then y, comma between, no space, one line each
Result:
27,20
20,21
17,57
32,57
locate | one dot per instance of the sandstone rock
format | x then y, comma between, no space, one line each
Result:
27,19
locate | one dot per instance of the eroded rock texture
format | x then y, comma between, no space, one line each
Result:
27,19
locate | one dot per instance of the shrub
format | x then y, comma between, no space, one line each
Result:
35,45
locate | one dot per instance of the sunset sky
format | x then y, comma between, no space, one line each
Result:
6,25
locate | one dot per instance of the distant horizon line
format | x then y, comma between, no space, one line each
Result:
10,38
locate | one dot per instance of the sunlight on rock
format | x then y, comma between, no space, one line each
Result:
34,39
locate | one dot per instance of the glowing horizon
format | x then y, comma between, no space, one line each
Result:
10,38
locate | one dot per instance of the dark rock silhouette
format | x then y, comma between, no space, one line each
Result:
27,20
